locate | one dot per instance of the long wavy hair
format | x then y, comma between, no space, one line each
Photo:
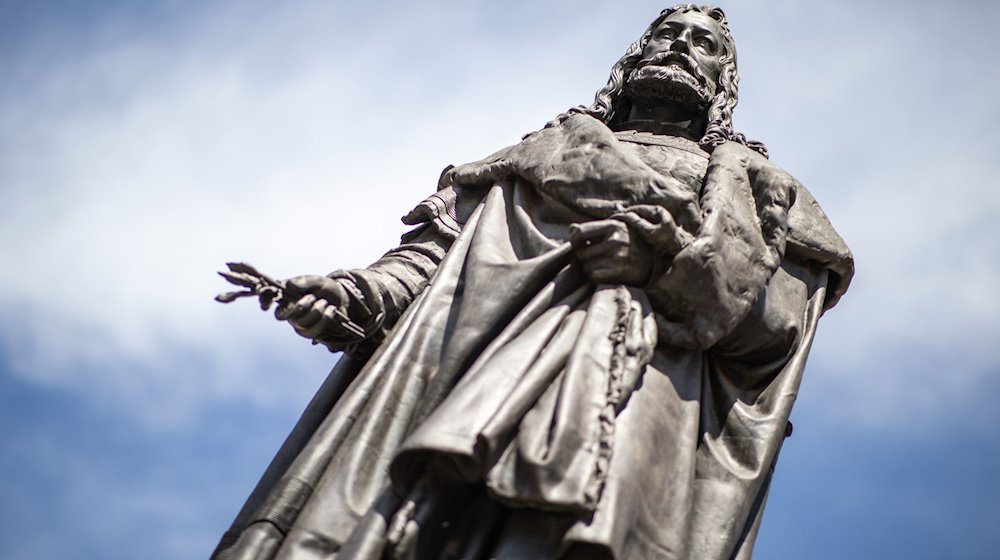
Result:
612,106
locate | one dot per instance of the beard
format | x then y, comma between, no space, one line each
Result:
670,78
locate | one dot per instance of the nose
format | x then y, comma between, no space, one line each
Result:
682,43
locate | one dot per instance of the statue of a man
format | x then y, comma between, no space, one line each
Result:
588,347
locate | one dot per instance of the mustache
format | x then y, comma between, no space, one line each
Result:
669,57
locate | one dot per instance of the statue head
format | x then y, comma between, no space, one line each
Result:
681,63
686,57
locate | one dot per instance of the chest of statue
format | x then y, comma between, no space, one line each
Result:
672,156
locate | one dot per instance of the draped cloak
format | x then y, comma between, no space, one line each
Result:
515,410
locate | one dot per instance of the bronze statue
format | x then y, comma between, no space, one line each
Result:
587,347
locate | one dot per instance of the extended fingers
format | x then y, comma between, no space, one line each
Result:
653,214
657,227
646,229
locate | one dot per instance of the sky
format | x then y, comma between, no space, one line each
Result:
144,144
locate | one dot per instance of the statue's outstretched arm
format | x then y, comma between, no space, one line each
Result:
381,292
347,310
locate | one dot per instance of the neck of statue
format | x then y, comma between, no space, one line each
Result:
669,117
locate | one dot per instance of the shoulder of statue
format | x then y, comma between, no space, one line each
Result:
811,236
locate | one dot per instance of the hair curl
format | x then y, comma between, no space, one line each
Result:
613,107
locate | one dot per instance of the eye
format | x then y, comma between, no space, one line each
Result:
705,43
668,34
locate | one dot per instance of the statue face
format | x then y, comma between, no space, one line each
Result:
681,62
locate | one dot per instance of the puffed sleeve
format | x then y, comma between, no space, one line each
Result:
380,293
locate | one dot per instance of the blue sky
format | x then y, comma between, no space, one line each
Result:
143,144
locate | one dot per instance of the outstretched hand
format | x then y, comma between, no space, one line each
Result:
316,307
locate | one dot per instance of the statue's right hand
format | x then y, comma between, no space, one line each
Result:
310,304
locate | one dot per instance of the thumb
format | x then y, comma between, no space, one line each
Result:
300,285
332,291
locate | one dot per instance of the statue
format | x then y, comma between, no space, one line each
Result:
587,347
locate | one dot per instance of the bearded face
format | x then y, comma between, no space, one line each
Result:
680,64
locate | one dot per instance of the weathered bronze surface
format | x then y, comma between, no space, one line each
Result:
588,346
